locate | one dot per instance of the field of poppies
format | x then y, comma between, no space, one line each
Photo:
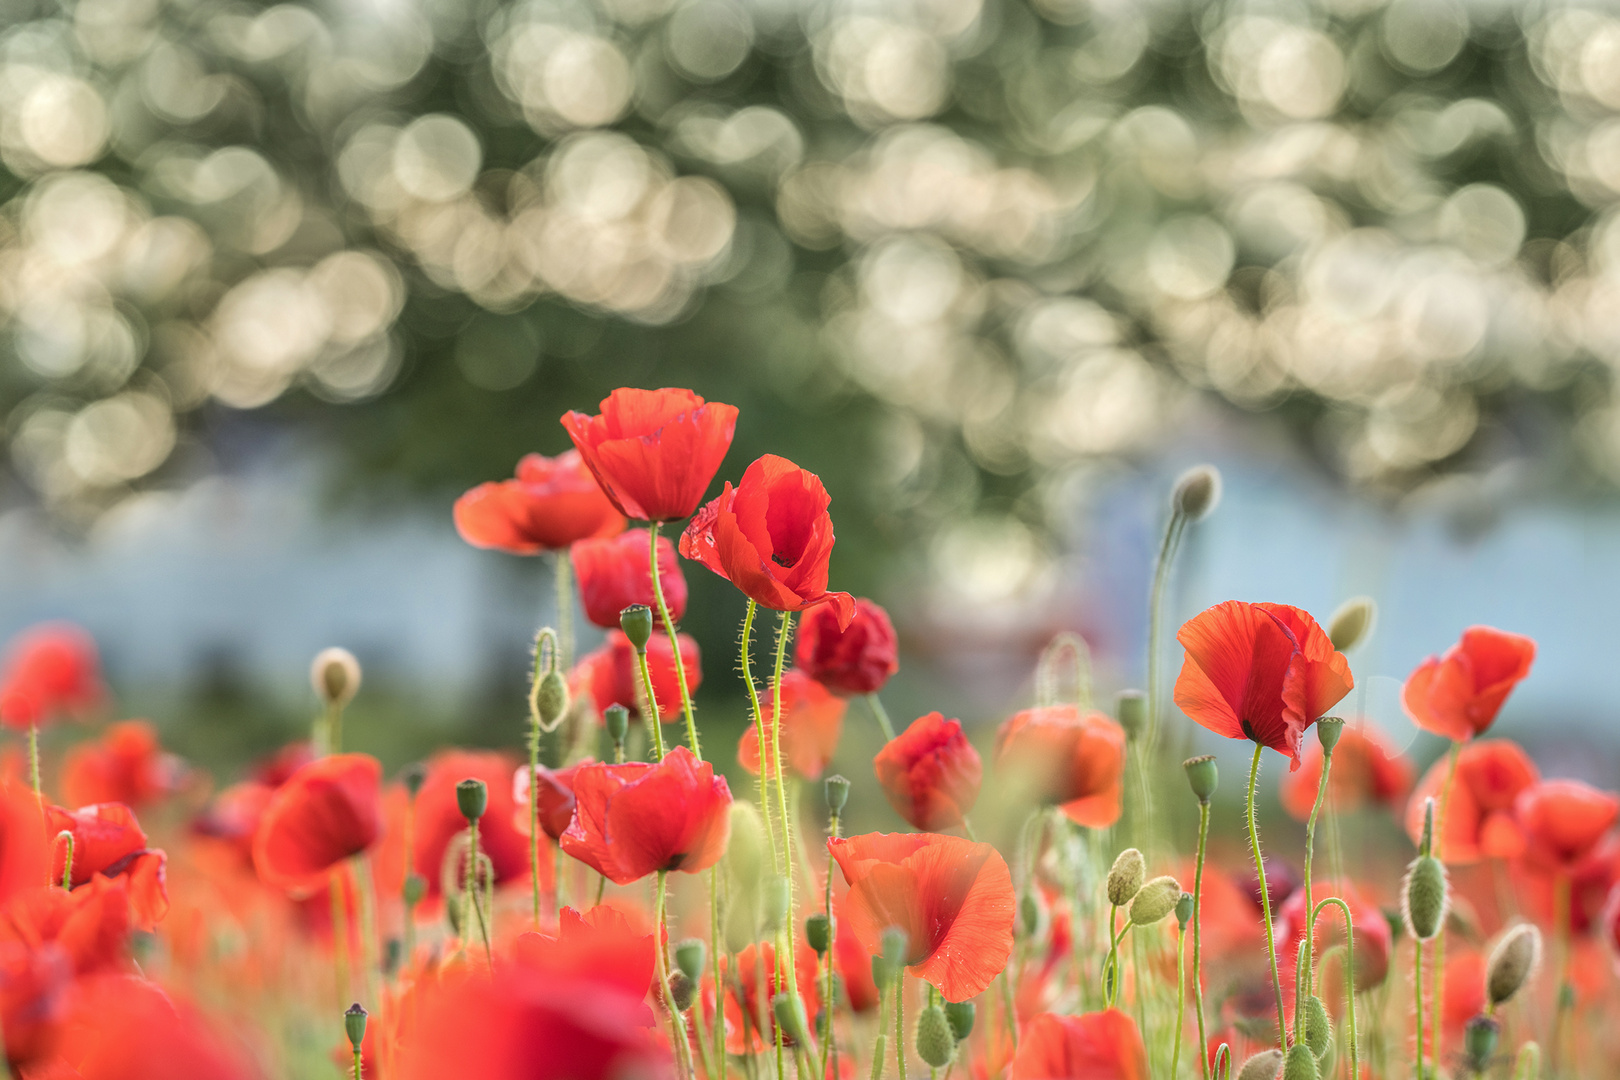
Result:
600,904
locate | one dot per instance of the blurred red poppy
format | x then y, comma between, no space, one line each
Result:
772,538
1263,672
1073,758
1367,767
1479,820
439,819
854,963
233,815
126,765
856,660
812,721
953,898
614,573
756,978
930,772
600,945
1590,881
34,984
1374,939
1095,1046
121,1027
556,787
549,505
276,768
91,924
51,670
25,852
1562,821
611,675
1458,695
654,451
329,810
637,818
106,837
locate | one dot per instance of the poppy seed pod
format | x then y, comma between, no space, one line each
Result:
637,622
1318,1028
1132,710
472,798
1352,623
1262,1066
1328,730
935,1040
1300,1064
1125,877
616,718
354,1024
681,988
961,1015
1202,776
1527,1066
335,674
689,957
790,1016
414,776
837,788
1155,900
1424,897
550,700
818,932
1512,962
1197,492
1479,1042
1184,909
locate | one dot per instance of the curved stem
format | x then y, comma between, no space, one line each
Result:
1198,937
674,643
1265,896
881,714
655,723
1349,971
759,725
1437,992
677,1026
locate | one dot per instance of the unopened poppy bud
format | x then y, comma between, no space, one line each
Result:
414,776
1426,842
1184,910
681,987
1328,730
818,932
1318,1028
1202,776
1262,1066
1155,900
354,1024
1300,1064
1479,1042
1125,877
935,1040
745,851
1352,623
1527,1066
472,797
1197,492
415,888
1424,897
774,898
789,1009
895,943
1512,962
636,622
550,700
1132,710
961,1015
1029,914
616,718
689,957
837,793
335,674
882,974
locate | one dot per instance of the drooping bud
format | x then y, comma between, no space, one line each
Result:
1424,896
354,1025
818,932
415,888
1184,909
1479,1042
1029,914
790,1017
1512,962
335,674
1202,776
1300,1064
1352,623
681,988
1155,900
1262,1066
837,793
472,798
414,776
1318,1028
1527,1066
935,1040
1132,709
689,957
1328,730
616,718
1125,877
637,623
960,1014
1197,492
550,700
774,898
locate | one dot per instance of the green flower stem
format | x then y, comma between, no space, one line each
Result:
1198,937
714,960
1150,739
900,1022
33,764
1181,1003
366,901
674,643
877,1044
881,714
1438,993
1349,970
1310,849
829,1044
340,937
759,726
1265,896
67,861
784,631
1417,1003
564,590
652,701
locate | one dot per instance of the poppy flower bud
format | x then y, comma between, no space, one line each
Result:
1155,900
689,957
681,987
1029,914
335,674
1318,1028
935,1040
636,621
961,1015
837,793
1527,1066
1512,962
472,798
1300,1064
790,1017
616,718
895,943
1352,623
774,899
414,776
1202,776
1328,730
818,932
1197,492
1126,876
745,853
415,889
1424,897
1184,909
1262,1066
1132,711
354,1024
882,974
550,700
1479,1042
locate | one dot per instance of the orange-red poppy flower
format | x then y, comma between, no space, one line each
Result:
1367,768
91,924
772,538
812,721
550,504
756,976
930,772
233,816
1562,821
634,819
1073,758
121,1027
439,819
1263,672
612,676
599,945
614,573
556,793
1479,819
854,963
858,659
328,811
276,768
106,837
953,898
25,853
1458,695
1373,938
126,765
654,451
51,670
34,984
1091,1046
1590,882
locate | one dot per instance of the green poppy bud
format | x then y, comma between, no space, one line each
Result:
1479,1042
1125,877
681,988
1197,493
774,898
1262,1066
1300,1063
689,957
1424,897
818,932
837,793
1155,900
637,623
935,1040
472,797
895,943
1132,709
790,1017
415,889
1512,962
961,1015
1184,910
1352,623
882,973
1328,730
1426,842
1202,776
1527,1066
414,776
354,1025
616,718
550,700
1029,914
1318,1027
335,674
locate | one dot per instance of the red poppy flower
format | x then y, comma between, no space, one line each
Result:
1479,821
654,451
439,820
1458,695
556,787
106,837
121,1027
91,924
771,537
855,660
854,963
1096,1046
552,503
51,670
126,765
34,984
233,816
1264,672
277,768
1075,759
930,772
756,974
611,675
25,853
599,945
953,898
330,810
1366,768
1374,940
1590,882
1563,820
812,721
637,818
613,574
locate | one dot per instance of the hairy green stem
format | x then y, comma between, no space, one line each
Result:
1438,993
674,643
1349,971
1198,936
784,631
1181,1003
1417,1003
564,589
759,727
1310,848
1265,896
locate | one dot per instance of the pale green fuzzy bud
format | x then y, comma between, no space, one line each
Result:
895,942
1029,914
1262,1066
774,898
1352,623
818,932
1126,876
1132,708
745,852
1318,1028
616,719
1512,962
689,957
550,700
790,1017
1300,1064
1528,1064
935,1040
681,988
960,1014
1155,900
1424,897
1197,492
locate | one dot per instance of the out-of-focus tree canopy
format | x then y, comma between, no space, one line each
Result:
946,252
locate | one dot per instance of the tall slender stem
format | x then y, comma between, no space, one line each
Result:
1198,937
1265,896
33,764
1417,1003
340,937
829,1044
1566,990
674,643
563,587
1181,1002
759,725
784,630
714,960
365,901
900,1021
1349,972
1309,945
654,721
877,1044
1437,993
881,714
1150,739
